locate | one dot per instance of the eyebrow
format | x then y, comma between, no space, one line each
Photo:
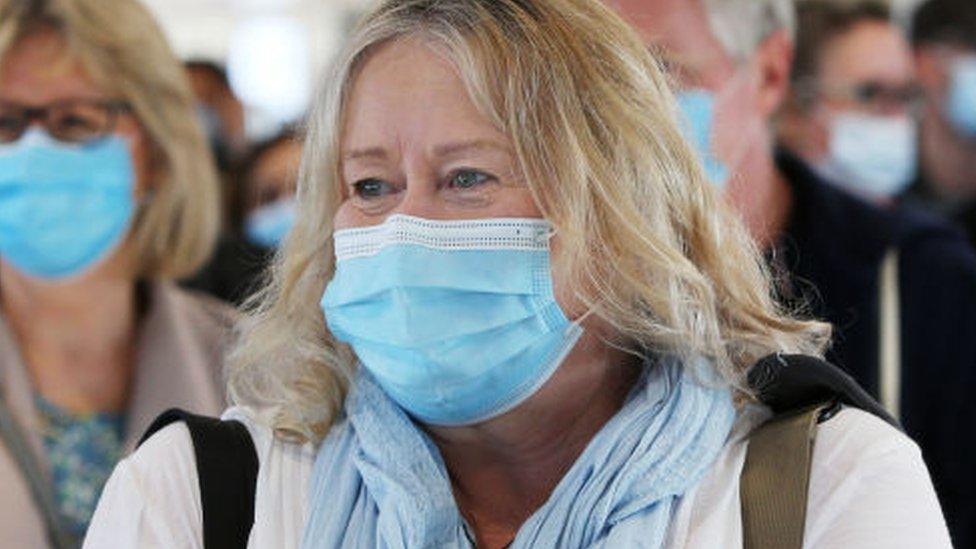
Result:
373,152
445,150
452,149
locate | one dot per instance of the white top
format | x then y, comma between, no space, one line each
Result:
868,488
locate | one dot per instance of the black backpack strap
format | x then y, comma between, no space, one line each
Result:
227,469
787,383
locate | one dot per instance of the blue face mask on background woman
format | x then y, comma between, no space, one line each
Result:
63,208
268,225
456,320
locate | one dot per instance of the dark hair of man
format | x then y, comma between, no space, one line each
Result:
945,22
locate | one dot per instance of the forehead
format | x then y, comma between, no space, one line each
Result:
680,31
283,157
39,69
409,91
868,51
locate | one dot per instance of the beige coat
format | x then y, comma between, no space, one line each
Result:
180,351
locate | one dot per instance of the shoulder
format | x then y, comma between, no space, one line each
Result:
267,443
933,246
855,435
200,307
154,494
870,487
284,479
152,497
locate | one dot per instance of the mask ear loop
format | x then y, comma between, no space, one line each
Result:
578,323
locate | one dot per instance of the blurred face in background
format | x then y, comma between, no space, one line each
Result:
728,101
270,185
46,95
854,119
947,73
220,111
699,62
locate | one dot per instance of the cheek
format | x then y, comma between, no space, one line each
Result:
142,158
348,217
731,118
145,172
563,287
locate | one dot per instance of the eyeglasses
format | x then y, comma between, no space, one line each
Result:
76,121
876,93
870,96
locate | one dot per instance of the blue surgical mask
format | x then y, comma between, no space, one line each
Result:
456,320
698,110
63,208
961,101
268,225
873,156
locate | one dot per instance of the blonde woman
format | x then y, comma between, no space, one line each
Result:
512,313
107,193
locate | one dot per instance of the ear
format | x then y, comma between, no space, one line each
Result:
773,62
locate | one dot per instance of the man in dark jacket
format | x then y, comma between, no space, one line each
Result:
733,59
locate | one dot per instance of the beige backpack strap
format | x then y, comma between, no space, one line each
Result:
775,479
889,335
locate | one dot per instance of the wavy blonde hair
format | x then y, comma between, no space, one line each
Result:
123,50
594,129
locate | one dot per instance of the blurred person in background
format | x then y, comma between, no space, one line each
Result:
268,178
851,114
261,216
107,194
220,112
944,40
232,268
899,289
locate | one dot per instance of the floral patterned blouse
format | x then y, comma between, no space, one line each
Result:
82,450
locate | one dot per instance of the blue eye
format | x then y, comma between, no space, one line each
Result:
372,188
467,179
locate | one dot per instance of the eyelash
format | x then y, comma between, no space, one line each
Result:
359,187
482,177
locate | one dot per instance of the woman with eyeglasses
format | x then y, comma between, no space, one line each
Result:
107,193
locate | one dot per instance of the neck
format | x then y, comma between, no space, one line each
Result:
505,469
948,160
76,338
761,195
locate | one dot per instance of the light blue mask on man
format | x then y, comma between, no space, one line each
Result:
268,225
961,101
63,208
698,124
870,155
456,320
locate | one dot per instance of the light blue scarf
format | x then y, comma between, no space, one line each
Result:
379,481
